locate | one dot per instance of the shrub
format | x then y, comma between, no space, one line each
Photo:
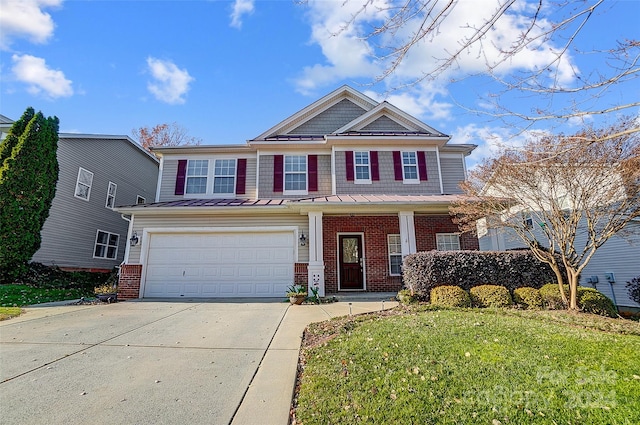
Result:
450,296
406,297
490,296
425,270
634,289
593,301
551,298
527,297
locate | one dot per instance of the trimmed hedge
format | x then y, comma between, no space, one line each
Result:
424,271
593,301
490,296
527,297
450,296
551,298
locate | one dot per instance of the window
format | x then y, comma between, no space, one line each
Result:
197,170
106,245
527,220
448,241
295,174
83,184
362,167
395,254
224,176
111,195
140,200
410,167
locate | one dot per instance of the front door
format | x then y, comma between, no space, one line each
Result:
351,262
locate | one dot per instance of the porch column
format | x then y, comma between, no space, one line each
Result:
316,254
407,233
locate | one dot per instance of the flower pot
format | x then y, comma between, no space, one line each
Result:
297,299
108,298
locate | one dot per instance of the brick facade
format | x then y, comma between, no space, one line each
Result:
129,282
428,225
300,274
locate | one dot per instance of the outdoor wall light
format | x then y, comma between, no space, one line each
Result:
303,239
134,239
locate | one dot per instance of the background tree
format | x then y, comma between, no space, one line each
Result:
18,127
164,135
28,180
578,195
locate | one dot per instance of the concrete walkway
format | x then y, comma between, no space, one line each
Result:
220,362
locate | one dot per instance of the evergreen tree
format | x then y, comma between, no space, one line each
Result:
28,178
9,142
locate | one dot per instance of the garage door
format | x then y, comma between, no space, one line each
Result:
219,264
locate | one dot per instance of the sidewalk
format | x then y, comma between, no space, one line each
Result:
268,398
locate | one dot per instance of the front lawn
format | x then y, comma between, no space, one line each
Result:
469,366
21,295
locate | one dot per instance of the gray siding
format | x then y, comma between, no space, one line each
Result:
69,233
330,120
452,173
387,185
266,179
232,220
170,171
384,124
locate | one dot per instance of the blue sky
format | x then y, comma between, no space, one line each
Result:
229,70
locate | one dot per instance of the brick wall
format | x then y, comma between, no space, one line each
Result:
375,229
428,225
300,275
129,282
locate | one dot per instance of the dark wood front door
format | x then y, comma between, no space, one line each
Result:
351,262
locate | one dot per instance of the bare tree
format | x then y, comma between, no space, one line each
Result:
559,200
164,135
399,31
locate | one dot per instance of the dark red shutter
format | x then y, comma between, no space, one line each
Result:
312,163
241,176
348,159
181,177
397,165
422,166
278,173
375,172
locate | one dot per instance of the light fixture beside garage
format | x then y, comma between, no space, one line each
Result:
303,239
134,239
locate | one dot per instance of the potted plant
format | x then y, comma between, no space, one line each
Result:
107,292
297,294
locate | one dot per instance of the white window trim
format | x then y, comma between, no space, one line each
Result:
356,180
234,175
438,246
109,194
284,176
187,176
95,244
406,180
390,254
138,198
75,189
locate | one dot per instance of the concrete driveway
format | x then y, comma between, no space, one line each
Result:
231,362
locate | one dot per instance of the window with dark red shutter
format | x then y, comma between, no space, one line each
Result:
181,177
241,176
375,171
422,166
278,175
348,159
397,165
312,163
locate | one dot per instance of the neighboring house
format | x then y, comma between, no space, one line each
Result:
97,173
333,196
614,263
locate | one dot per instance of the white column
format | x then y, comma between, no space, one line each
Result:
316,254
407,233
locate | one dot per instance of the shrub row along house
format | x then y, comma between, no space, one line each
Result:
97,172
333,197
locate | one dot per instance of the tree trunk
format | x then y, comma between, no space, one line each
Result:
556,270
573,289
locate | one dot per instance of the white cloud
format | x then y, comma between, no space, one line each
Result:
25,18
420,101
240,8
34,72
170,83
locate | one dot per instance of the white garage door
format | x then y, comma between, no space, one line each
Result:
219,265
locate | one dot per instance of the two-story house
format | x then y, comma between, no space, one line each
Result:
97,173
333,196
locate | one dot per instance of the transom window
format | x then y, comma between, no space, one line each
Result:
106,245
448,241
140,200
83,184
410,167
111,195
197,170
295,173
362,167
395,254
224,176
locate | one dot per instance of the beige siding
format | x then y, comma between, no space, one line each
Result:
452,172
266,179
387,185
218,221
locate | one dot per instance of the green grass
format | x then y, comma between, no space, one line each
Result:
471,367
9,312
22,295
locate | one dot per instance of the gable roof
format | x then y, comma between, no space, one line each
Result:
5,120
